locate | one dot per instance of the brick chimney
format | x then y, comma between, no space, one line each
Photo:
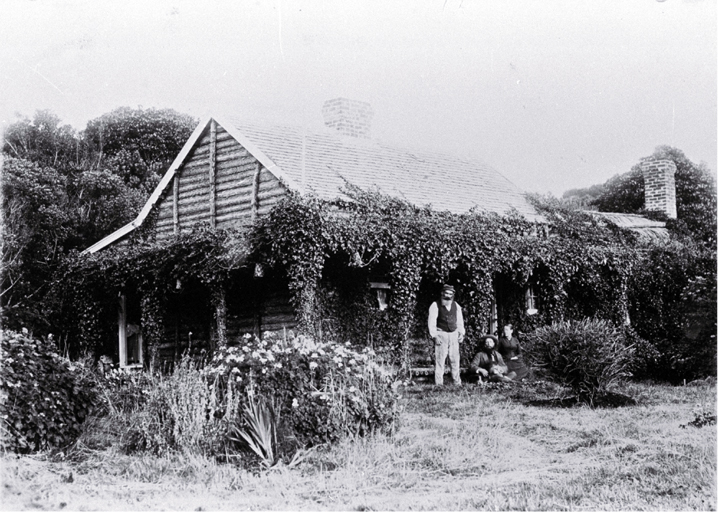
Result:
349,117
659,177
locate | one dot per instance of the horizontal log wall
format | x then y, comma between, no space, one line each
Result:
262,305
240,194
192,191
254,305
242,190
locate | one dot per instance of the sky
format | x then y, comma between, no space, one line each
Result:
553,94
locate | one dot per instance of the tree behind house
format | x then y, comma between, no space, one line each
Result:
695,195
63,191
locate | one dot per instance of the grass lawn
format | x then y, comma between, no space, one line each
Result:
495,447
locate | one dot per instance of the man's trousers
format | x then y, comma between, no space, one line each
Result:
448,345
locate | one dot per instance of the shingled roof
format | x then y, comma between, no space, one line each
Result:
323,162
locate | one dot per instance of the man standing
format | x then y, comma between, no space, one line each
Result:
446,328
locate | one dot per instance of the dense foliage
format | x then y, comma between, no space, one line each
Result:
157,135
672,296
36,222
321,393
324,246
45,141
45,398
177,412
63,191
91,284
590,356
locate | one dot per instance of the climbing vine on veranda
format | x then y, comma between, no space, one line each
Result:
582,266
422,244
91,283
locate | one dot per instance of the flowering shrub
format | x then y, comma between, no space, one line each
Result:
323,390
44,397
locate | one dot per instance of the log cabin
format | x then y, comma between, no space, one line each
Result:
231,173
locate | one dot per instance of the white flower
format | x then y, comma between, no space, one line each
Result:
295,403
314,355
312,365
264,370
352,389
278,365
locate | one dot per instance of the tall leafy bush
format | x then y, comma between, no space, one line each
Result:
672,297
589,356
45,398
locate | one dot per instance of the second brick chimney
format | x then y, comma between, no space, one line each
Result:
348,117
659,177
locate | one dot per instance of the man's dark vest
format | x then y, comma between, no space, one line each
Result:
446,321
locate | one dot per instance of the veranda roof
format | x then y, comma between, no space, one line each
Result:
647,229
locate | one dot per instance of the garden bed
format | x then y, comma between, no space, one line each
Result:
478,447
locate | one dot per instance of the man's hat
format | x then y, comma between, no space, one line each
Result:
447,288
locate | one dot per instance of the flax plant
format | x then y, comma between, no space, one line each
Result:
260,433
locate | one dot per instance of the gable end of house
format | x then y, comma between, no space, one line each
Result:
219,180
